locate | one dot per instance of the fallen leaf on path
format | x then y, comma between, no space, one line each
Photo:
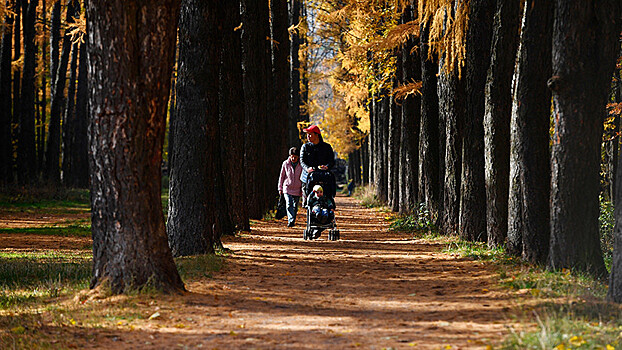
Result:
576,341
154,315
180,325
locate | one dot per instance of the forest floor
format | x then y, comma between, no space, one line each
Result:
373,289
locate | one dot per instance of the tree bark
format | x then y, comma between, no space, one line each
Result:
393,159
194,215
429,130
80,143
255,61
6,152
529,216
477,60
127,128
42,105
411,118
26,147
232,116
497,115
585,45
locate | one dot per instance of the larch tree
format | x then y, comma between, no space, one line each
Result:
26,149
472,191
429,133
79,151
6,154
53,148
585,45
294,9
131,51
255,60
196,202
529,225
498,110
69,113
231,105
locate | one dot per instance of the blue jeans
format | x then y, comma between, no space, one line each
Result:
291,204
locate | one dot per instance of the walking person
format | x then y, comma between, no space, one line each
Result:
314,155
290,185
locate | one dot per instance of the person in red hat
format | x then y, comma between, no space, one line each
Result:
314,155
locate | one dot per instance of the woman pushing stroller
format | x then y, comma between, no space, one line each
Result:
314,155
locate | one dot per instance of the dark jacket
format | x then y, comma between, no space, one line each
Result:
312,156
324,202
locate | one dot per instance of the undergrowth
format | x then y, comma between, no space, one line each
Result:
367,195
568,307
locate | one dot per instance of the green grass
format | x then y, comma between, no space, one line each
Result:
199,266
567,307
27,277
72,230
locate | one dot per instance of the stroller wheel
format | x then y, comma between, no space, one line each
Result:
305,236
336,235
331,235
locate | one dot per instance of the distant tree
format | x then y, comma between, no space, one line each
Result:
585,45
429,136
131,50
26,148
473,191
498,110
294,73
530,166
196,189
6,154
52,154
411,117
79,151
69,114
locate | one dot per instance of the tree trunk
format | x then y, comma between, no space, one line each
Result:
232,116
42,105
69,119
529,215
477,60
585,45
80,143
429,130
255,61
294,75
17,74
411,118
194,216
364,161
393,159
382,145
498,111
54,41
278,90
127,128
6,153
26,148
52,154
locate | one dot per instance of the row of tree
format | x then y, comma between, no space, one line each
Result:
231,113
43,126
473,140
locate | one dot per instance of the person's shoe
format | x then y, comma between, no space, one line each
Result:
291,224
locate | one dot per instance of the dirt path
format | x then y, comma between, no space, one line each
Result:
373,289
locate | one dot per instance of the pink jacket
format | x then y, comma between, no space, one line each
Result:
289,181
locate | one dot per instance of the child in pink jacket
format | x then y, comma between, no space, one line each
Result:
290,184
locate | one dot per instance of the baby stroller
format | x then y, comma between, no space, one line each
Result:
326,179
